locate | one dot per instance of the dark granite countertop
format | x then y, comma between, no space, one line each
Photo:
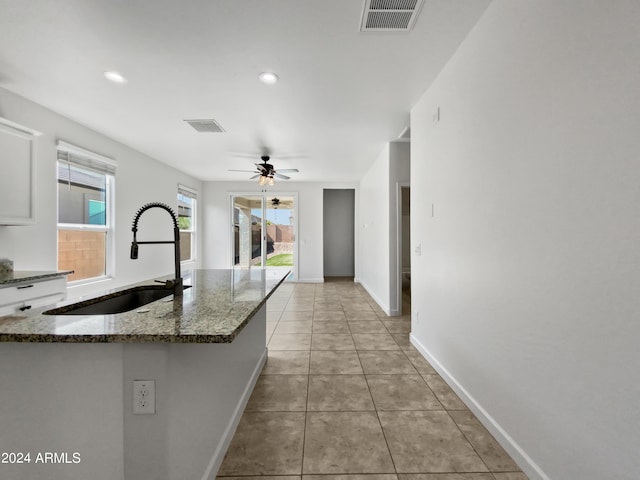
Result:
216,308
30,276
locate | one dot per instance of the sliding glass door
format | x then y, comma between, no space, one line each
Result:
248,248
264,231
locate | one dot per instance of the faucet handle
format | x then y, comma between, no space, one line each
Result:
175,283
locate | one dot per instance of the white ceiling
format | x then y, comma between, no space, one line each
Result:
342,94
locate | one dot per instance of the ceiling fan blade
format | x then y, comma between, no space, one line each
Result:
260,166
281,176
255,176
250,171
288,170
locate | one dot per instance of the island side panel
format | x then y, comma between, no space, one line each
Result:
210,410
201,392
145,436
62,398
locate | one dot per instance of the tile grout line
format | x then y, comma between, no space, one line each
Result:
489,471
470,444
416,370
306,409
375,406
279,317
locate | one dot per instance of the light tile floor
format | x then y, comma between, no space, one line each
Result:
344,395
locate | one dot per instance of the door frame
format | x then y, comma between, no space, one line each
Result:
265,196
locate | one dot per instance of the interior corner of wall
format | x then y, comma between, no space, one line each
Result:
385,308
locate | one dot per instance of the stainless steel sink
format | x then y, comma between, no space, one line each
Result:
117,302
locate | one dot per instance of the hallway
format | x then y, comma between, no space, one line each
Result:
344,392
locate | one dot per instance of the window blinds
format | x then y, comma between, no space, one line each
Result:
73,155
187,192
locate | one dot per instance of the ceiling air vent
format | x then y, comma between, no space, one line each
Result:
390,15
206,125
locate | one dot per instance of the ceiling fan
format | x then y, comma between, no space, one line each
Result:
285,203
266,171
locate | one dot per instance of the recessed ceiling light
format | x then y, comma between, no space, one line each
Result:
268,77
115,77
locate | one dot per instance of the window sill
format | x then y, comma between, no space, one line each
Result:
88,281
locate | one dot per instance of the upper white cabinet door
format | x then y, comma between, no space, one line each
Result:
17,173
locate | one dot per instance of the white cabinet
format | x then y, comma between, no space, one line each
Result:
17,173
23,296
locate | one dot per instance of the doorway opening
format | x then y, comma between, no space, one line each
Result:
338,224
264,231
404,249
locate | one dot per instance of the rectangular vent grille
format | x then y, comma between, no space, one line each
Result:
390,15
206,125
393,4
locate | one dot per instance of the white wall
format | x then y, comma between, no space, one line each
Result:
377,262
139,180
373,231
216,223
527,286
338,221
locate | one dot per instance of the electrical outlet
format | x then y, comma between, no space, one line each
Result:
144,397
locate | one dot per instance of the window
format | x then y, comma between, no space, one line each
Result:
85,212
187,199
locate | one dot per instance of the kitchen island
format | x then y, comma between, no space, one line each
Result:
66,381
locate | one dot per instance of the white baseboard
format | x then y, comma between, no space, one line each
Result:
385,308
526,463
220,451
311,280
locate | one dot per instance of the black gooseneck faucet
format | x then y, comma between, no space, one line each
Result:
176,283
